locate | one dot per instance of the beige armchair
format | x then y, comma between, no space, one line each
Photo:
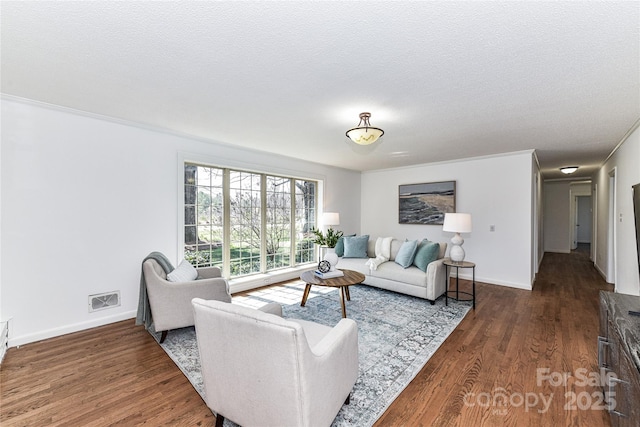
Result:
259,369
170,302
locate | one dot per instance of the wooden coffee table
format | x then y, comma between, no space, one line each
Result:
350,278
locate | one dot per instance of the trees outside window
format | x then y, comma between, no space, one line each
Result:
305,220
245,200
203,215
279,210
247,222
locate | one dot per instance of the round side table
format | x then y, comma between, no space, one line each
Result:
458,265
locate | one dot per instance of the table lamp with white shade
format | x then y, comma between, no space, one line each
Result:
328,254
457,223
330,218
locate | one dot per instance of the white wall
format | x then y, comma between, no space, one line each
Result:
85,199
557,233
537,232
2,318
626,163
502,257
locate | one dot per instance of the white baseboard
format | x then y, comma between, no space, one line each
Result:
490,281
235,286
56,332
522,286
559,251
260,280
4,339
602,273
239,285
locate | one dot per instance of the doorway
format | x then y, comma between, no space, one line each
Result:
580,216
584,221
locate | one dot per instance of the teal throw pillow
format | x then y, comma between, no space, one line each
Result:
406,253
427,253
340,245
356,246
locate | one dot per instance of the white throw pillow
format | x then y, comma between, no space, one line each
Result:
184,273
383,247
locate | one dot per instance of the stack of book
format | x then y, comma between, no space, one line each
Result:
329,274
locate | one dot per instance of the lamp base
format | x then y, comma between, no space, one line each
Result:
332,257
456,253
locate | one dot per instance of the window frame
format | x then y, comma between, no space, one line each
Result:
227,166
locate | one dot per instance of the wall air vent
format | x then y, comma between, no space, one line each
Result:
103,301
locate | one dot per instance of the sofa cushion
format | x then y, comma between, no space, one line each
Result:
185,272
340,245
392,271
426,253
406,253
356,247
355,264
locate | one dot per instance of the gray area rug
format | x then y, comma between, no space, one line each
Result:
397,336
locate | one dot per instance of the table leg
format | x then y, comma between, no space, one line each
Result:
446,285
342,297
305,295
346,288
474,288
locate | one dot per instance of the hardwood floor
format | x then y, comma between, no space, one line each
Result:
117,374
498,349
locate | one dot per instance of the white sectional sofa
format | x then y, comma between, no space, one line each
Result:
429,284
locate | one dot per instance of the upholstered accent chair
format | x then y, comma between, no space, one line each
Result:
262,370
170,302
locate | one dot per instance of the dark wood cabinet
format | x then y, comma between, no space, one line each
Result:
619,357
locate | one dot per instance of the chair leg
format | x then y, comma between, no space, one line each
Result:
219,420
163,336
348,400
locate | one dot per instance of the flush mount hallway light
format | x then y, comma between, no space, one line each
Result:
364,134
568,169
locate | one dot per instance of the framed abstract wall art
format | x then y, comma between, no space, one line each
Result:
426,203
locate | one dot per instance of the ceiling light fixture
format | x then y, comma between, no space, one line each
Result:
364,134
568,169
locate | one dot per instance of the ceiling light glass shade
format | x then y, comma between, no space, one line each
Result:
364,134
568,169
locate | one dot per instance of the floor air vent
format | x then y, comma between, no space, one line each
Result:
102,301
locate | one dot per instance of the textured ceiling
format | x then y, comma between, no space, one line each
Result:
445,80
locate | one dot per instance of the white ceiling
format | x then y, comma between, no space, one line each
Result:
445,80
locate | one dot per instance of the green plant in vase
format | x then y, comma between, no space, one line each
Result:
329,239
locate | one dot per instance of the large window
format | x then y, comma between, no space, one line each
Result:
247,222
